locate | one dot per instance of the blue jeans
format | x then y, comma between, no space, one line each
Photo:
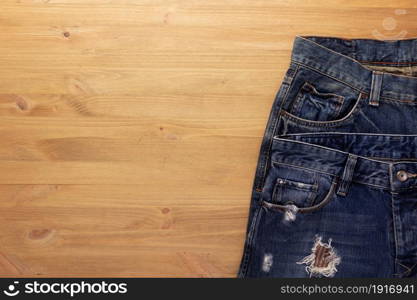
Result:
335,189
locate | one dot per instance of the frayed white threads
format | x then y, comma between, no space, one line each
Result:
267,262
323,259
290,213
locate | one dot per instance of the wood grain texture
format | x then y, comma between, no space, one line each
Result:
130,129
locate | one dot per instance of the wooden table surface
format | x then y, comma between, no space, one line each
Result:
130,129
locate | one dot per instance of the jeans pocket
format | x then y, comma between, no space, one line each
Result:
314,99
316,105
294,192
296,188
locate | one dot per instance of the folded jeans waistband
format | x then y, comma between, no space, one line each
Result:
330,152
348,60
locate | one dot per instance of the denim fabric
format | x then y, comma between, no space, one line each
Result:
335,189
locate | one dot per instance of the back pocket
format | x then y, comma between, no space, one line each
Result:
312,104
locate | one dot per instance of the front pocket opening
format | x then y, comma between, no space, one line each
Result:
313,123
316,105
301,194
290,210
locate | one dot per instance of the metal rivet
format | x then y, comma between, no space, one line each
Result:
402,175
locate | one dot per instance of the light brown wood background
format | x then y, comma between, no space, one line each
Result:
130,129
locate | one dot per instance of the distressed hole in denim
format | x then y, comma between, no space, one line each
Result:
290,213
322,261
267,262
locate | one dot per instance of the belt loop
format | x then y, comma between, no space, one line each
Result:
347,175
376,84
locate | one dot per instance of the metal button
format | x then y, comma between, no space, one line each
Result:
402,175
